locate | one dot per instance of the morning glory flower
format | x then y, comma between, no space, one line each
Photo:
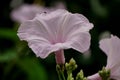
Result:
25,12
111,46
56,31
28,12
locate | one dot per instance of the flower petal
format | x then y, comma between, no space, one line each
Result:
112,48
105,46
53,21
57,30
40,48
25,12
43,49
81,42
115,72
94,77
75,23
34,29
65,23
71,23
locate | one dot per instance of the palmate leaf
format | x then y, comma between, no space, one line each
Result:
33,68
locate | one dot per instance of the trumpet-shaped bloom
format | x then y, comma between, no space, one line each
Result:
112,49
28,12
56,31
25,12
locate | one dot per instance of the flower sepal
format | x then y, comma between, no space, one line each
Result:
104,74
70,67
80,76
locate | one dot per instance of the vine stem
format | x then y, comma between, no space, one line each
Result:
60,72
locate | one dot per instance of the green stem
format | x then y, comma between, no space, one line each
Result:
69,77
60,73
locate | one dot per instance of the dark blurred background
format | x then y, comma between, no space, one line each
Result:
18,62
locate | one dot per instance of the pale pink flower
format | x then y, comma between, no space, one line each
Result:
56,31
28,12
94,77
111,46
25,12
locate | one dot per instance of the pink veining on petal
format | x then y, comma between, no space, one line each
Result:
56,31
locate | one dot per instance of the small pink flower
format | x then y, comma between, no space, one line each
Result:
28,12
56,31
112,49
25,12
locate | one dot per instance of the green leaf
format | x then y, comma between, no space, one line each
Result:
33,68
8,33
7,56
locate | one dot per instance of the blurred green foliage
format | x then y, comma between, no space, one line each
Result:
18,62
